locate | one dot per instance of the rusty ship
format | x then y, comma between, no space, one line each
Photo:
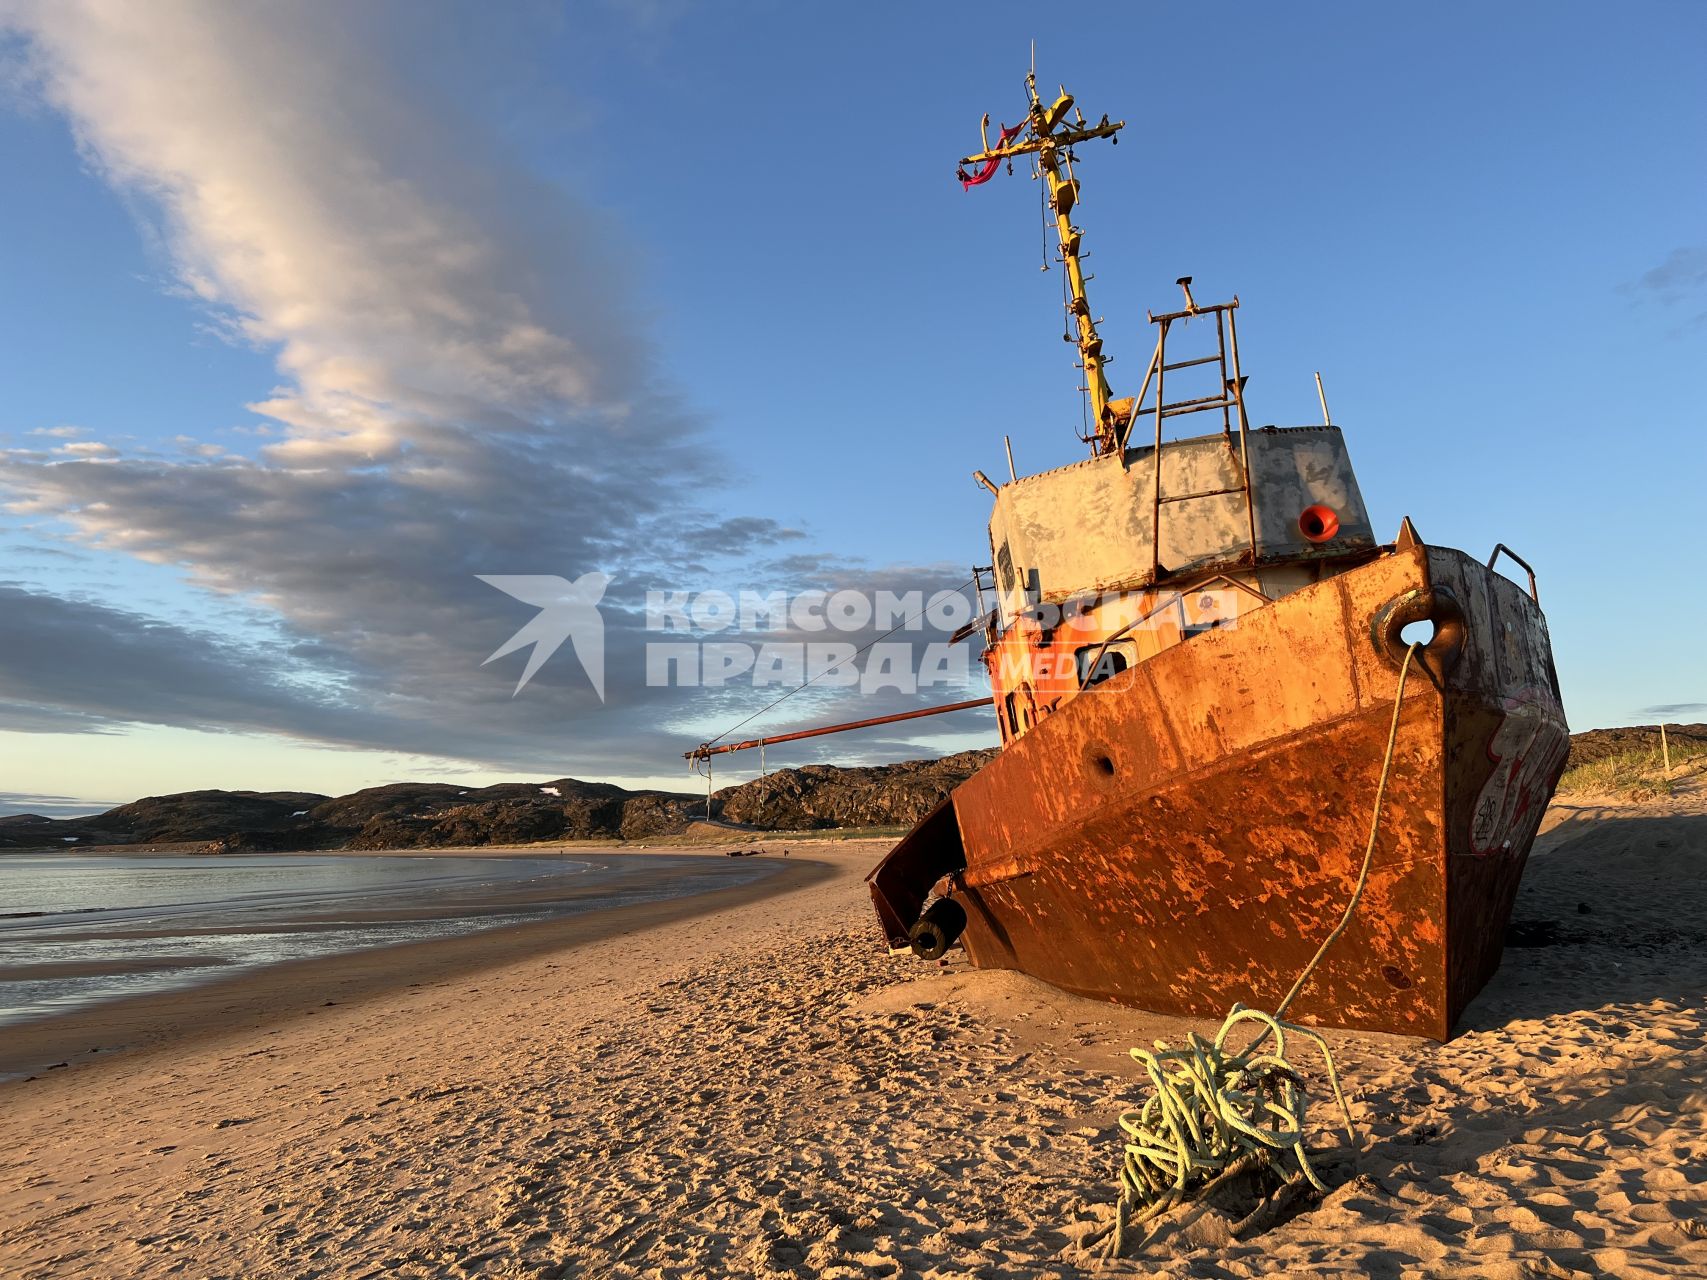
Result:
1194,651
1198,653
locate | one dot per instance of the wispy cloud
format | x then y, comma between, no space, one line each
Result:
463,390
1681,277
32,550
36,713
1676,709
1679,281
20,802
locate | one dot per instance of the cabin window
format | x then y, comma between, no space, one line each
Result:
1022,709
1005,567
1111,662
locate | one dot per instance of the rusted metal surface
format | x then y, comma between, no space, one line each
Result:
1042,555
1183,835
903,881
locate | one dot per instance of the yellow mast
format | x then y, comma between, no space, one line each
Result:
1049,136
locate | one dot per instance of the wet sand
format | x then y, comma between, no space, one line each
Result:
253,998
757,1089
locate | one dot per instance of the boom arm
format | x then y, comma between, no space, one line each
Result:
705,749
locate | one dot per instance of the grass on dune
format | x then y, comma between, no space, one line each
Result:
1636,774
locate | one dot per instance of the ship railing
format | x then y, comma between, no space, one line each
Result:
1500,549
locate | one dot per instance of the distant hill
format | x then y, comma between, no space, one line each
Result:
419,815
423,815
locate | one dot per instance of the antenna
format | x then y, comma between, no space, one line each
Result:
1048,135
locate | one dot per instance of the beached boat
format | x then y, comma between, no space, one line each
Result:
1195,650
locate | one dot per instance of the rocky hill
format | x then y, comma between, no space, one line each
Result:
1601,744
822,795
188,816
415,815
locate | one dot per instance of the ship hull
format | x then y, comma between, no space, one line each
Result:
1186,834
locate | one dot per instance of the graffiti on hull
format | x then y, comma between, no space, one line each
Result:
1528,750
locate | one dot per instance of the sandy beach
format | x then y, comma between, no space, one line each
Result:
743,1083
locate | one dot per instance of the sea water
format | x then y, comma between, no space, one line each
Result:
82,929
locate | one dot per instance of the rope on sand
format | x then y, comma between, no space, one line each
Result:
1213,1111
1216,1113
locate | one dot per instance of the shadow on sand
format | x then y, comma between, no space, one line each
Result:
1612,910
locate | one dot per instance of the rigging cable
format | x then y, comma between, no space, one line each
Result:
905,622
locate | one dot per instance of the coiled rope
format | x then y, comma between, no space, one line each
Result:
1216,1113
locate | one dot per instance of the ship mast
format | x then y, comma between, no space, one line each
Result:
1048,135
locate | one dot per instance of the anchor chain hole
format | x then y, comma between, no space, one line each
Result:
1419,632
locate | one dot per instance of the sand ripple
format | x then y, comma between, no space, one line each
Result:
760,1092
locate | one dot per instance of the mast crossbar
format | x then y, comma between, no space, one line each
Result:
1050,137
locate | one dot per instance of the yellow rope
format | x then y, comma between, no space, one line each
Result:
1213,1108
1214,1111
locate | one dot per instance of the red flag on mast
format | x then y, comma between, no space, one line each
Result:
970,180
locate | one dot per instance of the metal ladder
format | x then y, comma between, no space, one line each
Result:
1229,400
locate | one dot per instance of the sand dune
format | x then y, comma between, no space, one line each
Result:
760,1091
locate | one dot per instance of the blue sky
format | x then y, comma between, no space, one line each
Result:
1483,225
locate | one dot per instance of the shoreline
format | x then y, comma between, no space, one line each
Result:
700,837
761,1090
250,1000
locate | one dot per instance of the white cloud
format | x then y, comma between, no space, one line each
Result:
462,389
344,218
89,450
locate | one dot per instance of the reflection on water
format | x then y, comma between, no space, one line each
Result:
162,884
75,930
